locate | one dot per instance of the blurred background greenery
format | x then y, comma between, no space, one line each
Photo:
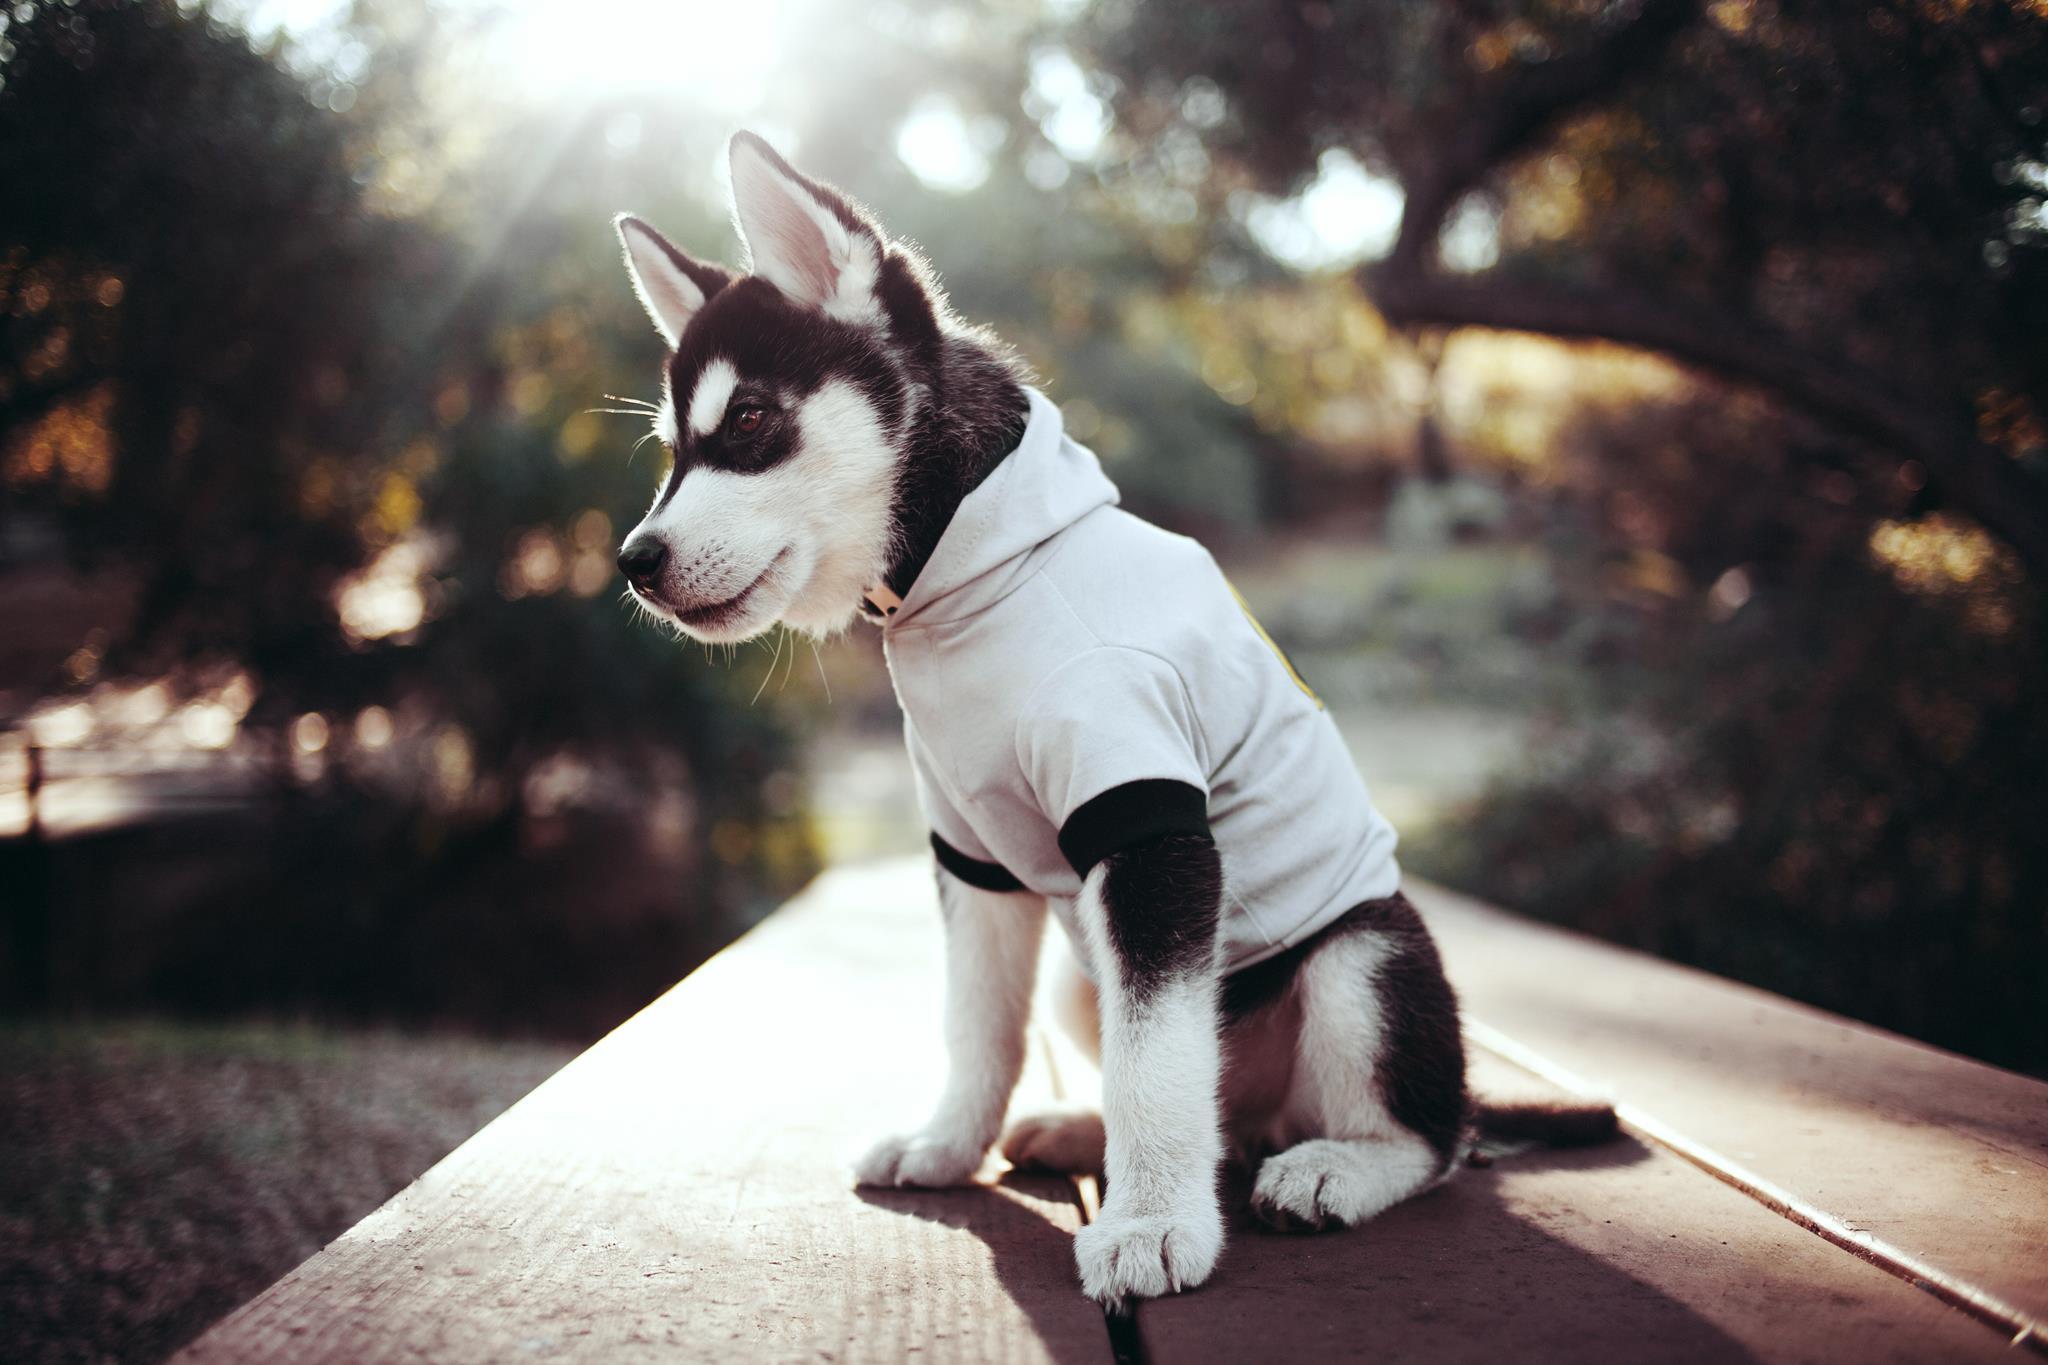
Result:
1630,416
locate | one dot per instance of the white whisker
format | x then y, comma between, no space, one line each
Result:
789,667
816,654
773,660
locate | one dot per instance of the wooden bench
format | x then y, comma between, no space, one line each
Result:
1795,1187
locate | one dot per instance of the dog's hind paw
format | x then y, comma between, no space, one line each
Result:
926,1160
1322,1184
1071,1143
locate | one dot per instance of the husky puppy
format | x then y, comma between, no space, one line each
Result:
1098,728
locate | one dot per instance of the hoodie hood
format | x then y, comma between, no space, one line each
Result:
1038,490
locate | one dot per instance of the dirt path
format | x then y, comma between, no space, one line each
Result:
154,1176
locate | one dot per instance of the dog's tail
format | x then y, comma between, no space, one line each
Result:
1546,1123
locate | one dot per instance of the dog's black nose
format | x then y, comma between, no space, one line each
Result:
641,558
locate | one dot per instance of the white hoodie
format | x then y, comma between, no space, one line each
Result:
1055,648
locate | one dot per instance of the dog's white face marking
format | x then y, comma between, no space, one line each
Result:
665,428
847,503
714,392
796,543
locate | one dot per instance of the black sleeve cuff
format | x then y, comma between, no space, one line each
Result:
1131,814
973,871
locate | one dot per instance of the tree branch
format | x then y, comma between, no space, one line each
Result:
1511,112
1982,481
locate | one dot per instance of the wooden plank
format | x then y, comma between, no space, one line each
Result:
1621,1253
1940,1157
680,1191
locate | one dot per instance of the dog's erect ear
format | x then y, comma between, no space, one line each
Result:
806,240
672,286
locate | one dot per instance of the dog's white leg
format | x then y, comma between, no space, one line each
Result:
992,940
1150,916
1067,1138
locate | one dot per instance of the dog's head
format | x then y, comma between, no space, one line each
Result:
789,396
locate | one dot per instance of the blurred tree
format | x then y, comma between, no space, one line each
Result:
323,395
1799,746
314,359
1839,203
1819,774
198,362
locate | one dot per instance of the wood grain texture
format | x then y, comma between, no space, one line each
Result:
1616,1253
1940,1156
680,1191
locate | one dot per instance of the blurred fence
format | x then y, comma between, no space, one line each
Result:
222,883
54,792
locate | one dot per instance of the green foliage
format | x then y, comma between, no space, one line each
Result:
1809,756
344,447
309,358
1864,175
194,274
1801,751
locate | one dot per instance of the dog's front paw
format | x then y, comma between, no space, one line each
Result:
927,1159
1124,1257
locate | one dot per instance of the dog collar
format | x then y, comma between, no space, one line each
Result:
880,602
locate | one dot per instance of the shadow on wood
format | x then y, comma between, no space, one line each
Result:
1031,1256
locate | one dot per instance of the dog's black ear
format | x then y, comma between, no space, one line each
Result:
807,240
671,284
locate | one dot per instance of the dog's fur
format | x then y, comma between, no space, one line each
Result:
827,413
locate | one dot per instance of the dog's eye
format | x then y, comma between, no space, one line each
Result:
744,421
